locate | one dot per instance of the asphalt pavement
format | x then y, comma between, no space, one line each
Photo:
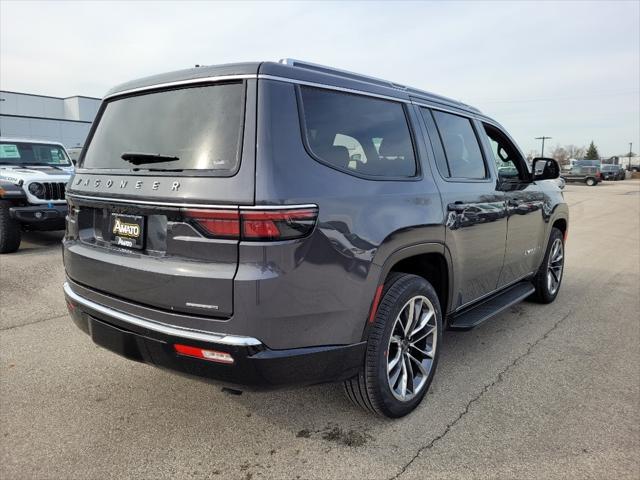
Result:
540,391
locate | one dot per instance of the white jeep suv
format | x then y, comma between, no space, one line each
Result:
33,179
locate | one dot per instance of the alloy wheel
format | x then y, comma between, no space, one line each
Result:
411,348
555,266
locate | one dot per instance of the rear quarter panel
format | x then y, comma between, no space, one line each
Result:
319,290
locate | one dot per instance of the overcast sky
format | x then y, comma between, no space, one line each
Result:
569,70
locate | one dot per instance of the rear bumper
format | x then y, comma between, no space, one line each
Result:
254,365
44,217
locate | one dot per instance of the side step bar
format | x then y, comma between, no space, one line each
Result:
477,314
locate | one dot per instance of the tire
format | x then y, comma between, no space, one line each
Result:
591,182
380,392
552,265
10,233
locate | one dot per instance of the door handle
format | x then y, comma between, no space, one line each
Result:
457,207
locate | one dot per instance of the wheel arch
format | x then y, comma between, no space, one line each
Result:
561,224
430,261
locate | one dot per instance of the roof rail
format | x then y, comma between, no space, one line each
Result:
342,73
375,81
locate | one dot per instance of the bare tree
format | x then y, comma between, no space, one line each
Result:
575,152
560,154
531,155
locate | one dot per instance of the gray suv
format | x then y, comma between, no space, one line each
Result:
272,224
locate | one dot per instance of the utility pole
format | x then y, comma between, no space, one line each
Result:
630,154
543,138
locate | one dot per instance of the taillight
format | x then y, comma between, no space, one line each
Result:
217,223
255,224
277,224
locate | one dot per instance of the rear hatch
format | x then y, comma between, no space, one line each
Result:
155,195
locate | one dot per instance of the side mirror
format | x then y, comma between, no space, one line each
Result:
545,169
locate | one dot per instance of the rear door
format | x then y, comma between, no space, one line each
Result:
476,226
525,202
154,202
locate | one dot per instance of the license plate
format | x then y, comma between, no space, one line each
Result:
127,230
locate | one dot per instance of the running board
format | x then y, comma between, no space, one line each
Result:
475,315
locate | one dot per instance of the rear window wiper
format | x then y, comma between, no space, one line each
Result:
142,158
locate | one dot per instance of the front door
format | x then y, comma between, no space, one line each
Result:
525,207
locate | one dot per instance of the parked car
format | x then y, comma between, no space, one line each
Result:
584,171
219,227
612,172
33,178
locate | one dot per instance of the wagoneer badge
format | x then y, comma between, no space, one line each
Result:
106,184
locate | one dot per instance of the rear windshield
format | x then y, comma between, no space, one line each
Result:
25,153
198,128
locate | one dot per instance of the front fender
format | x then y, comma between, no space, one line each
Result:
11,191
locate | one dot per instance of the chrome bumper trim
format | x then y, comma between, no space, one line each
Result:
220,338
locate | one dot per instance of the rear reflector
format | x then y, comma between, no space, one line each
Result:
254,224
212,355
376,302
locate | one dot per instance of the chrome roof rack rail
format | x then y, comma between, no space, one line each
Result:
341,73
374,81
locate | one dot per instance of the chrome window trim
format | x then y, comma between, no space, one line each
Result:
218,78
460,113
219,338
354,91
191,205
178,83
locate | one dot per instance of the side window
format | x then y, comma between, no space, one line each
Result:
358,134
432,131
461,147
509,162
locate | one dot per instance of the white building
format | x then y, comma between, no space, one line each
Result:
39,117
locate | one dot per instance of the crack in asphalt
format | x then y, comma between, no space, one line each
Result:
33,323
479,396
